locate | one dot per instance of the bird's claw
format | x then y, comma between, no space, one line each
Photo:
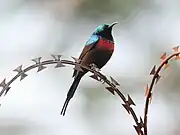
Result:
94,67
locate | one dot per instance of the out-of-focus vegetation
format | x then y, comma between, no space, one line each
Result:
37,28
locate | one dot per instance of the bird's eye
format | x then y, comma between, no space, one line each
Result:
105,26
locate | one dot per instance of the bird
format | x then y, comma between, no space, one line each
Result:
97,50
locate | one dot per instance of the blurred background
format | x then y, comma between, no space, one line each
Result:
146,29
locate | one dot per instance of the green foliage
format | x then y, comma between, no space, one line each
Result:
102,8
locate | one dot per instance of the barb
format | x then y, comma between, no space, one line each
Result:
5,86
21,72
155,79
58,58
39,64
112,83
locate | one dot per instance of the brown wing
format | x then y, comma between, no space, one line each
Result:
86,49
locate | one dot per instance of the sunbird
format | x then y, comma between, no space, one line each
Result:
98,50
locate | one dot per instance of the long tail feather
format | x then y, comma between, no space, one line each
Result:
70,93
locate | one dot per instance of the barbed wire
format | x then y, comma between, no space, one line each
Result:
98,76
156,78
112,83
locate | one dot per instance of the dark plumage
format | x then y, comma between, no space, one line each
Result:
98,50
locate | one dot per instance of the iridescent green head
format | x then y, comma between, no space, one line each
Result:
105,31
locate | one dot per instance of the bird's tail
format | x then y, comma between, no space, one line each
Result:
70,93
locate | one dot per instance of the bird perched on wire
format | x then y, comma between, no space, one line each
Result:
98,50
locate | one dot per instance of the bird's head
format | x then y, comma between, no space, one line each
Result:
105,31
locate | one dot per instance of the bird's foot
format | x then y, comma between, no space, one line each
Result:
94,67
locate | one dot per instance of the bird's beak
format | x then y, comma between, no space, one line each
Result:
114,23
